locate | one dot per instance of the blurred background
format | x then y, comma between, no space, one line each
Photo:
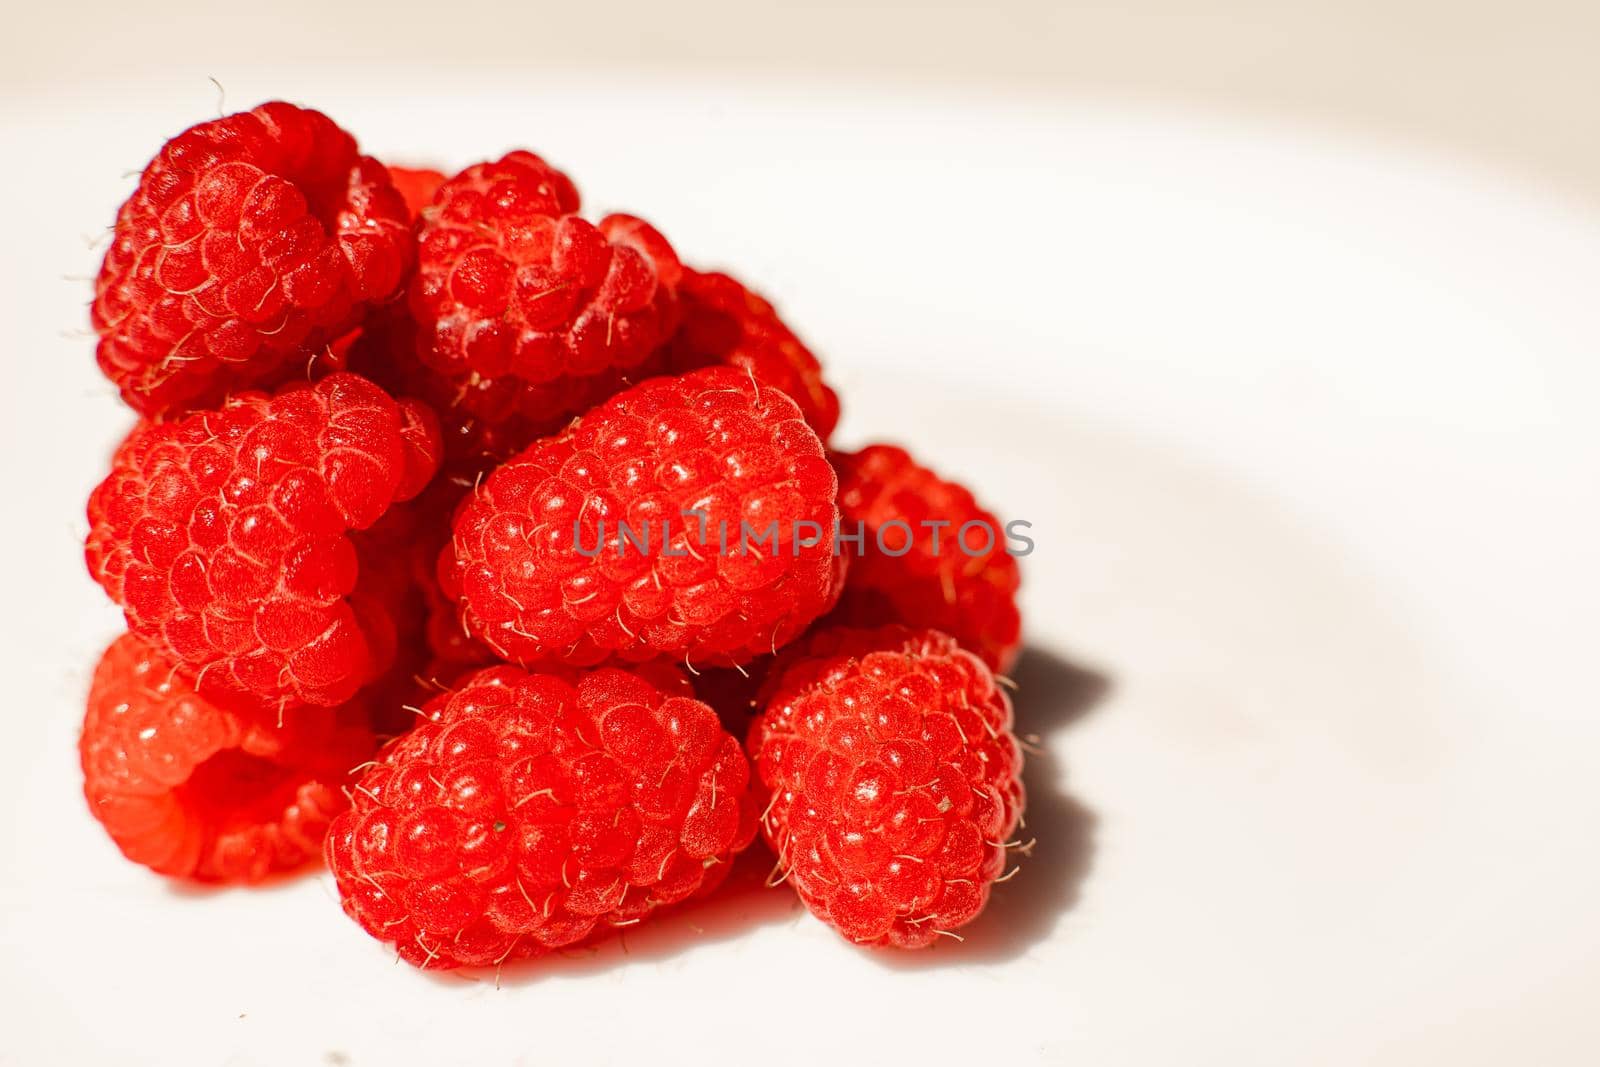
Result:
1511,83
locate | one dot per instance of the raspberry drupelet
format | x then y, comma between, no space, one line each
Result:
725,323
513,289
966,585
195,789
894,780
544,570
230,537
526,812
251,242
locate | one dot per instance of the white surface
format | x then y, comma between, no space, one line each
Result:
1305,430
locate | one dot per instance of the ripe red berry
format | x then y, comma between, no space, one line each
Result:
894,779
964,583
226,535
725,323
512,284
545,571
194,789
484,421
251,241
526,812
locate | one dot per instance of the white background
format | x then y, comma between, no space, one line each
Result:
1304,424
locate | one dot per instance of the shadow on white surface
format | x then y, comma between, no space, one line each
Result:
740,905
1052,694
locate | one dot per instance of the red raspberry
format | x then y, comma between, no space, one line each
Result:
251,241
972,597
725,323
511,283
525,813
224,535
894,778
416,186
192,789
484,421
712,441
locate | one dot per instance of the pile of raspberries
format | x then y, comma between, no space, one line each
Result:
376,538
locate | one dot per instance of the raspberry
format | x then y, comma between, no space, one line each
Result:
540,578
527,812
511,283
484,421
193,789
725,323
251,241
894,779
416,186
972,597
224,536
